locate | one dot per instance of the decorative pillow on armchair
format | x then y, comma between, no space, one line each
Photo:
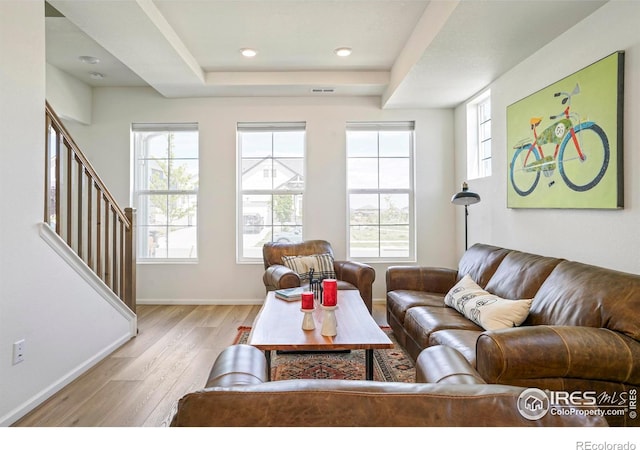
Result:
322,265
487,310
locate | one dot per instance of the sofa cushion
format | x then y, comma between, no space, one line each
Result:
487,310
322,265
582,295
272,252
398,302
520,275
421,321
480,261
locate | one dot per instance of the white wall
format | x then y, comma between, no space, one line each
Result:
71,98
601,237
217,277
65,323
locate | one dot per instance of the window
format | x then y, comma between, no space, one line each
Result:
479,137
166,190
271,185
380,191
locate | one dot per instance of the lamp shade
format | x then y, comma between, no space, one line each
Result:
465,197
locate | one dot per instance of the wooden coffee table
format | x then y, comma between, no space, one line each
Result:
278,326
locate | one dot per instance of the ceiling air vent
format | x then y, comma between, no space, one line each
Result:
323,90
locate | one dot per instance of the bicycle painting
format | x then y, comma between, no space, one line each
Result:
565,141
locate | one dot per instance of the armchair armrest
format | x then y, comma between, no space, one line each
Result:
426,279
543,351
360,275
278,276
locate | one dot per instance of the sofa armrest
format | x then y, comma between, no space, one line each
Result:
426,279
358,274
238,365
278,276
444,364
542,351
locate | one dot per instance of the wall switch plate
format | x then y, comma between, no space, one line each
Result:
18,351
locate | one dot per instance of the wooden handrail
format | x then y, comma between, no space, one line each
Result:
82,211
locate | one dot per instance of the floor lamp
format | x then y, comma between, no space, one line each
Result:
466,198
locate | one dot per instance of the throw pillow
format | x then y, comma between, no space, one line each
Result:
487,310
321,264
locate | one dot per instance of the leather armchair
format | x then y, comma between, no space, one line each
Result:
350,274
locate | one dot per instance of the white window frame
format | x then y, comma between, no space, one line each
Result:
477,165
261,127
138,191
381,127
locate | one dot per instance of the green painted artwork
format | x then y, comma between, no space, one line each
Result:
564,142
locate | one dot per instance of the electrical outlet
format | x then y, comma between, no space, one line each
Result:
18,351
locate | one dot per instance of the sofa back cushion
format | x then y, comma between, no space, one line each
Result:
272,252
520,275
480,262
583,295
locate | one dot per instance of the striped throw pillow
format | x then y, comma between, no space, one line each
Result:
322,265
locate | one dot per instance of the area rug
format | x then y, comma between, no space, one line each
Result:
388,364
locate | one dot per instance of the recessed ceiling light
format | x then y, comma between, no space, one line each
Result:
89,59
248,52
96,75
343,51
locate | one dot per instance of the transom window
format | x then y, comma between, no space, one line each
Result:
271,158
166,190
380,191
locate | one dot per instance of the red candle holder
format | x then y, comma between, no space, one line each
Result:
329,322
307,321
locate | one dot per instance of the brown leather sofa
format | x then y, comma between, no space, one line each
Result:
349,274
581,334
448,393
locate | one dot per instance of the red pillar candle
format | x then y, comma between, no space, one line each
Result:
307,300
329,292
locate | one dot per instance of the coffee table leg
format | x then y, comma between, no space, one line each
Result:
267,355
368,360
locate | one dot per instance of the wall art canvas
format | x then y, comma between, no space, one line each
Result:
564,142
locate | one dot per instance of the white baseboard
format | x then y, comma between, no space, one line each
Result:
56,386
199,301
211,301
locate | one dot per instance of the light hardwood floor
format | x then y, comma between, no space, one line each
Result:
140,383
